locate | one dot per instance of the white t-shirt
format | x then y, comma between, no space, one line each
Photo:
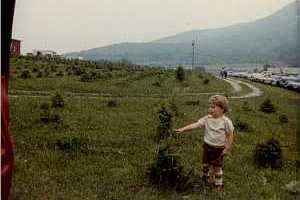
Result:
215,129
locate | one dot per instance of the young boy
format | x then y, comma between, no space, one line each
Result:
218,137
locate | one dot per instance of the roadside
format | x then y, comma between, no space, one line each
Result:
237,88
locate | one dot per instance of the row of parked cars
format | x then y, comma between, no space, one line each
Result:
291,82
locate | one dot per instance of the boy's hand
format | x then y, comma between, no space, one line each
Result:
226,151
179,130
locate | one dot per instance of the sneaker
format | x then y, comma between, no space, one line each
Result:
219,188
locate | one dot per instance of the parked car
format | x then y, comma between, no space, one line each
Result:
275,80
285,79
292,85
258,77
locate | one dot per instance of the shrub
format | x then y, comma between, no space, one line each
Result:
163,131
70,144
268,154
53,68
112,103
167,172
35,69
39,74
78,70
185,84
69,73
100,75
180,74
206,81
60,73
165,117
25,74
242,126
283,119
267,106
57,101
45,112
87,77
192,103
157,84
56,117
49,115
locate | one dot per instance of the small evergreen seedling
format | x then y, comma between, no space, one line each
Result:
267,106
165,119
242,126
112,103
206,81
39,74
180,74
60,73
283,119
25,74
34,69
192,103
268,154
70,144
57,101
57,117
167,172
157,84
88,77
45,112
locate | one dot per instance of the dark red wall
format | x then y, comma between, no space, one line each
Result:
15,48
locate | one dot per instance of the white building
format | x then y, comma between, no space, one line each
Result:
44,53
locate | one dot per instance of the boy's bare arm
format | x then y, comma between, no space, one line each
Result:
187,128
229,140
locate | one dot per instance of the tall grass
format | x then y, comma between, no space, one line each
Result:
114,146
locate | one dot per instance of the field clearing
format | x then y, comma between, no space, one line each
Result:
111,147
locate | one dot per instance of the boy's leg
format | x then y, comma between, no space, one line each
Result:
218,172
205,165
205,172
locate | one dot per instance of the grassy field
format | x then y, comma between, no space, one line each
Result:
97,151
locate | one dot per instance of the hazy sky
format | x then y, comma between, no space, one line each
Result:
73,25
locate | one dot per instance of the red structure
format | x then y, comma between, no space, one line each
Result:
15,48
7,157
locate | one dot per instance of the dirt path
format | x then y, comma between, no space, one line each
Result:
39,94
237,88
233,82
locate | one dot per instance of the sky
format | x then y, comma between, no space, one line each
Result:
74,25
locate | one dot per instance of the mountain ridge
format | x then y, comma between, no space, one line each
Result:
266,40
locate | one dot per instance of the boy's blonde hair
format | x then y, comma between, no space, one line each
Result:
220,101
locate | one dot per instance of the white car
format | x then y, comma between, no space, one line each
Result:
275,79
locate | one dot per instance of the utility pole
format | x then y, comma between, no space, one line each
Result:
298,33
193,45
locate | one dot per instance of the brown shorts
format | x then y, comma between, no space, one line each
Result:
213,155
